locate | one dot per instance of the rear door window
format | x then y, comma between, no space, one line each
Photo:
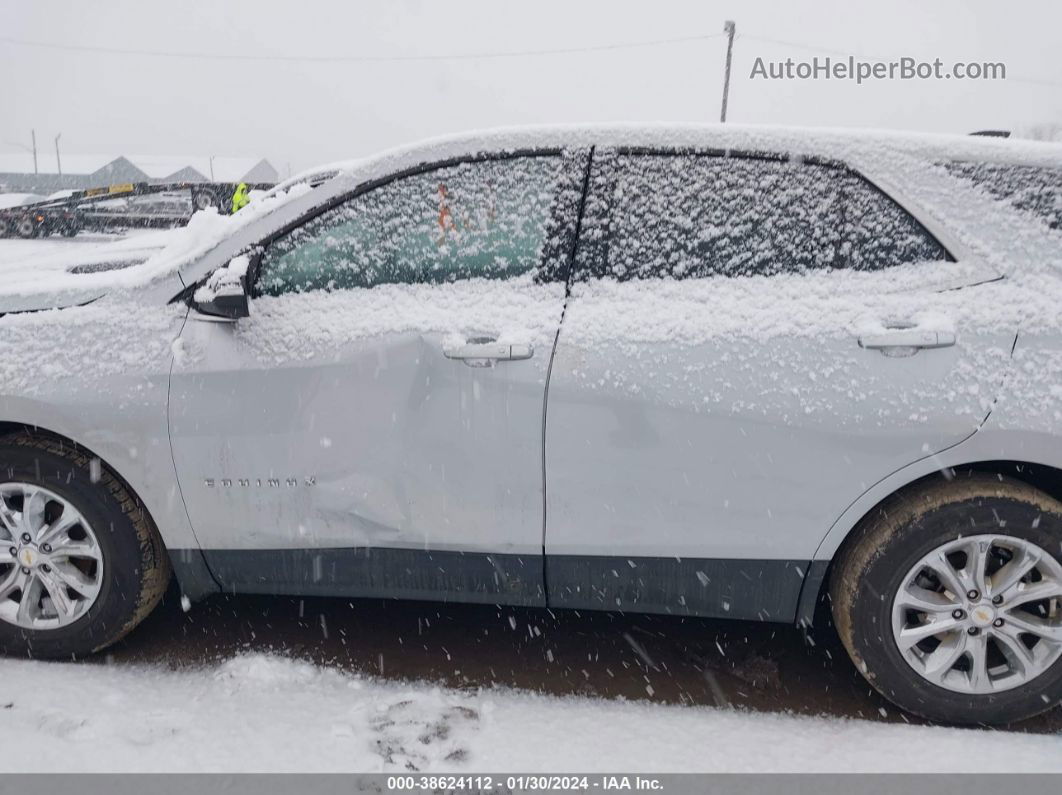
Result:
691,216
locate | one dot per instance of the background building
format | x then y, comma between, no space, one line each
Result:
91,171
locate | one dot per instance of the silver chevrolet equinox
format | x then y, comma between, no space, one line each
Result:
753,373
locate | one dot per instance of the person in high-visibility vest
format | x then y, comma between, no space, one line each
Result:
240,197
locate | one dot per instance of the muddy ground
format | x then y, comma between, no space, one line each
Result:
730,664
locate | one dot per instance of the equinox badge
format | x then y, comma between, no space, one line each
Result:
228,483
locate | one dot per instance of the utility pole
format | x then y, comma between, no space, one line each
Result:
729,27
58,163
212,168
33,133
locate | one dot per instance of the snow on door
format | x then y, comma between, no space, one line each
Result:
717,393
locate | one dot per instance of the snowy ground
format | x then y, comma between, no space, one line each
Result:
268,713
257,711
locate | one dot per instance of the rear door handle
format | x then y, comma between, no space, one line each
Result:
907,338
490,351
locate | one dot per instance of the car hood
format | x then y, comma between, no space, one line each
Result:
14,304
39,283
54,274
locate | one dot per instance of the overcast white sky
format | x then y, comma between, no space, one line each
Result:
303,113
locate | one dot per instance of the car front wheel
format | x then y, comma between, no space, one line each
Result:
949,600
81,562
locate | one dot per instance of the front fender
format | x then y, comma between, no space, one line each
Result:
98,376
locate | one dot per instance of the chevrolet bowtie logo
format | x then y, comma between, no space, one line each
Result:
272,483
27,556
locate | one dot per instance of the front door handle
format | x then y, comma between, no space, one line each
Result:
906,338
489,352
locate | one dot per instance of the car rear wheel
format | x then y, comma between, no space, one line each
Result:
81,562
949,600
25,227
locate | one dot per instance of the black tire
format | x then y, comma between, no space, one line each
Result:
70,229
204,198
26,228
136,567
871,568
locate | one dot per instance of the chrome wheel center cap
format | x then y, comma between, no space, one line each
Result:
982,615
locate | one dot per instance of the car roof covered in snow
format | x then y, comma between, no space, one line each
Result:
837,143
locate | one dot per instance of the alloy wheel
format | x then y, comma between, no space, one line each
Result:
981,614
51,564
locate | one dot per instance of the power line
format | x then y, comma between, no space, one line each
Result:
215,56
809,47
830,51
207,56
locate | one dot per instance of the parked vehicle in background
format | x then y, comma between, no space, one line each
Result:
748,373
113,208
17,217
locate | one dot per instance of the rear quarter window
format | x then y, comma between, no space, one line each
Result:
1034,190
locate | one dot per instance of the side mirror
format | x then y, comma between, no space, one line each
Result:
224,294
229,301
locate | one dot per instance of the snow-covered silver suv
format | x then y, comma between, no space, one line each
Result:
706,371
